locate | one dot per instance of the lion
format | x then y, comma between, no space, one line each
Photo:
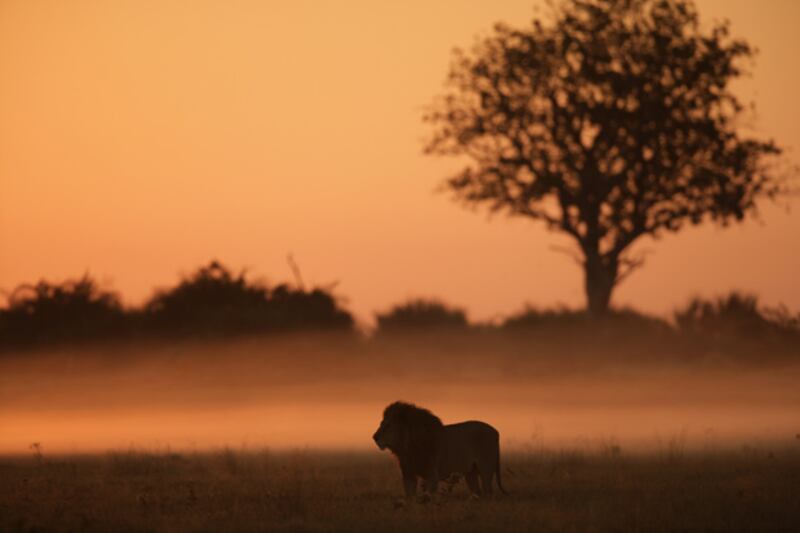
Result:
434,452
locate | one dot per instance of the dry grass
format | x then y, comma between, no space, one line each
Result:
744,490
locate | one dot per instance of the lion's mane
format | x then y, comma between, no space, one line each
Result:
422,428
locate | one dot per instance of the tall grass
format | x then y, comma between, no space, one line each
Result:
259,490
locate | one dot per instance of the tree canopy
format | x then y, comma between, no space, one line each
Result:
610,121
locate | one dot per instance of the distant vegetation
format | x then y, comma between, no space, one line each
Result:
48,312
211,302
418,315
737,324
734,326
215,302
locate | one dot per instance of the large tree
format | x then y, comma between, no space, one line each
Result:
608,121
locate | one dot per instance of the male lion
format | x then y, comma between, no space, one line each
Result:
432,451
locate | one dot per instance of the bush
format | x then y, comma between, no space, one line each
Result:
562,318
214,301
421,315
73,310
737,324
210,302
619,334
534,318
736,314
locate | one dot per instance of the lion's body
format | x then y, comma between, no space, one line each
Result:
471,449
429,450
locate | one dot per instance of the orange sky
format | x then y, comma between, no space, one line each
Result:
138,139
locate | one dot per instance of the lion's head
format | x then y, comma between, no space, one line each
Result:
409,431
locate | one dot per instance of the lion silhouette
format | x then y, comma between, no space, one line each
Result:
434,452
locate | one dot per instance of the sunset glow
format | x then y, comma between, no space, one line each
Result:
422,265
141,139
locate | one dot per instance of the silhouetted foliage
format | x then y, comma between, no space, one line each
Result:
783,319
612,121
71,311
619,333
421,315
210,302
565,318
736,323
215,301
210,297
734,315
300,309
533,318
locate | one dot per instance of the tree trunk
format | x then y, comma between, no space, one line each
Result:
600,278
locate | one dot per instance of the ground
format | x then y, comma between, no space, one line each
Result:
248,490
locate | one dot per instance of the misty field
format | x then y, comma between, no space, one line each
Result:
602,490
591,440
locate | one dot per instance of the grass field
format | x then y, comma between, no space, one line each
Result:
607,490
588,445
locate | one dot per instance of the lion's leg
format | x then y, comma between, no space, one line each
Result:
451,482
431,484
472,481
486,473
410,485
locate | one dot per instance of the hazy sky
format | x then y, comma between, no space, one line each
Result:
139,139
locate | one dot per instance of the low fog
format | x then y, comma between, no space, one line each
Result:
326,392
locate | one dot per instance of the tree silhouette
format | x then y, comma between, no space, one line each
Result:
612,121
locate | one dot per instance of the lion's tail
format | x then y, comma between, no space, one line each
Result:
499,483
